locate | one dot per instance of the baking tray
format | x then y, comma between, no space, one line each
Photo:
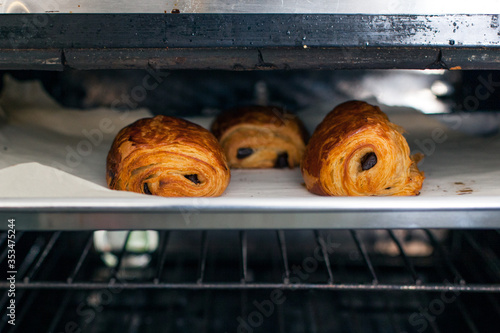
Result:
461,190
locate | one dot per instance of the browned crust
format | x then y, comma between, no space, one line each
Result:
258,115
268,131
149,142
344,122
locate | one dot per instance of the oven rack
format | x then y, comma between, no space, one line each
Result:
59,271
45,248
346,316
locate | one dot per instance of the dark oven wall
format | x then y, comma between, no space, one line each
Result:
178,92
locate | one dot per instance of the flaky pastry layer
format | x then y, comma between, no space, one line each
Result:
169,157
260,137
357,151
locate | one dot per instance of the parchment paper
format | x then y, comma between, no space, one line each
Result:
47,151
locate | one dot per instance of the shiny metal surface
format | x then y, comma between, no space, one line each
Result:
458,219
250,204
254,6
252,286
249,42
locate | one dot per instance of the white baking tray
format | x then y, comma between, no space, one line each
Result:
43,188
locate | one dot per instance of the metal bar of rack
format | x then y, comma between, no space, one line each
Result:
163,256
477,277
81,259
27,262
32,254
324,254
203,258
448,262
446,256
40,250
490,259
284,255
361,248
114,271
406,260
464,313
431,287
50,244
244,255
43,249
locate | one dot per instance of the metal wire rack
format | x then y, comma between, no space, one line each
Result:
43,246
376,270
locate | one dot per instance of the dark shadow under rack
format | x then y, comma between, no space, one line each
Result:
220,267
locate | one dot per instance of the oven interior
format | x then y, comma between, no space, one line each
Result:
257,281
237,280
110,268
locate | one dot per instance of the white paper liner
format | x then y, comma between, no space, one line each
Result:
47,151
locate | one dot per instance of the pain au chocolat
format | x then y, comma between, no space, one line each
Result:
169,157
260,137
357,151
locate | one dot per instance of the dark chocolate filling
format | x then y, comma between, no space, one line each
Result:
146,189
193,178
244,152
368,161
281,161
111,175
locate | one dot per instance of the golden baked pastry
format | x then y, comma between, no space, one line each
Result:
357,151
260,137
169,157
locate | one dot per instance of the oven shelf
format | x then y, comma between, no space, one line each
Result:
460,191
369,258
356,272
